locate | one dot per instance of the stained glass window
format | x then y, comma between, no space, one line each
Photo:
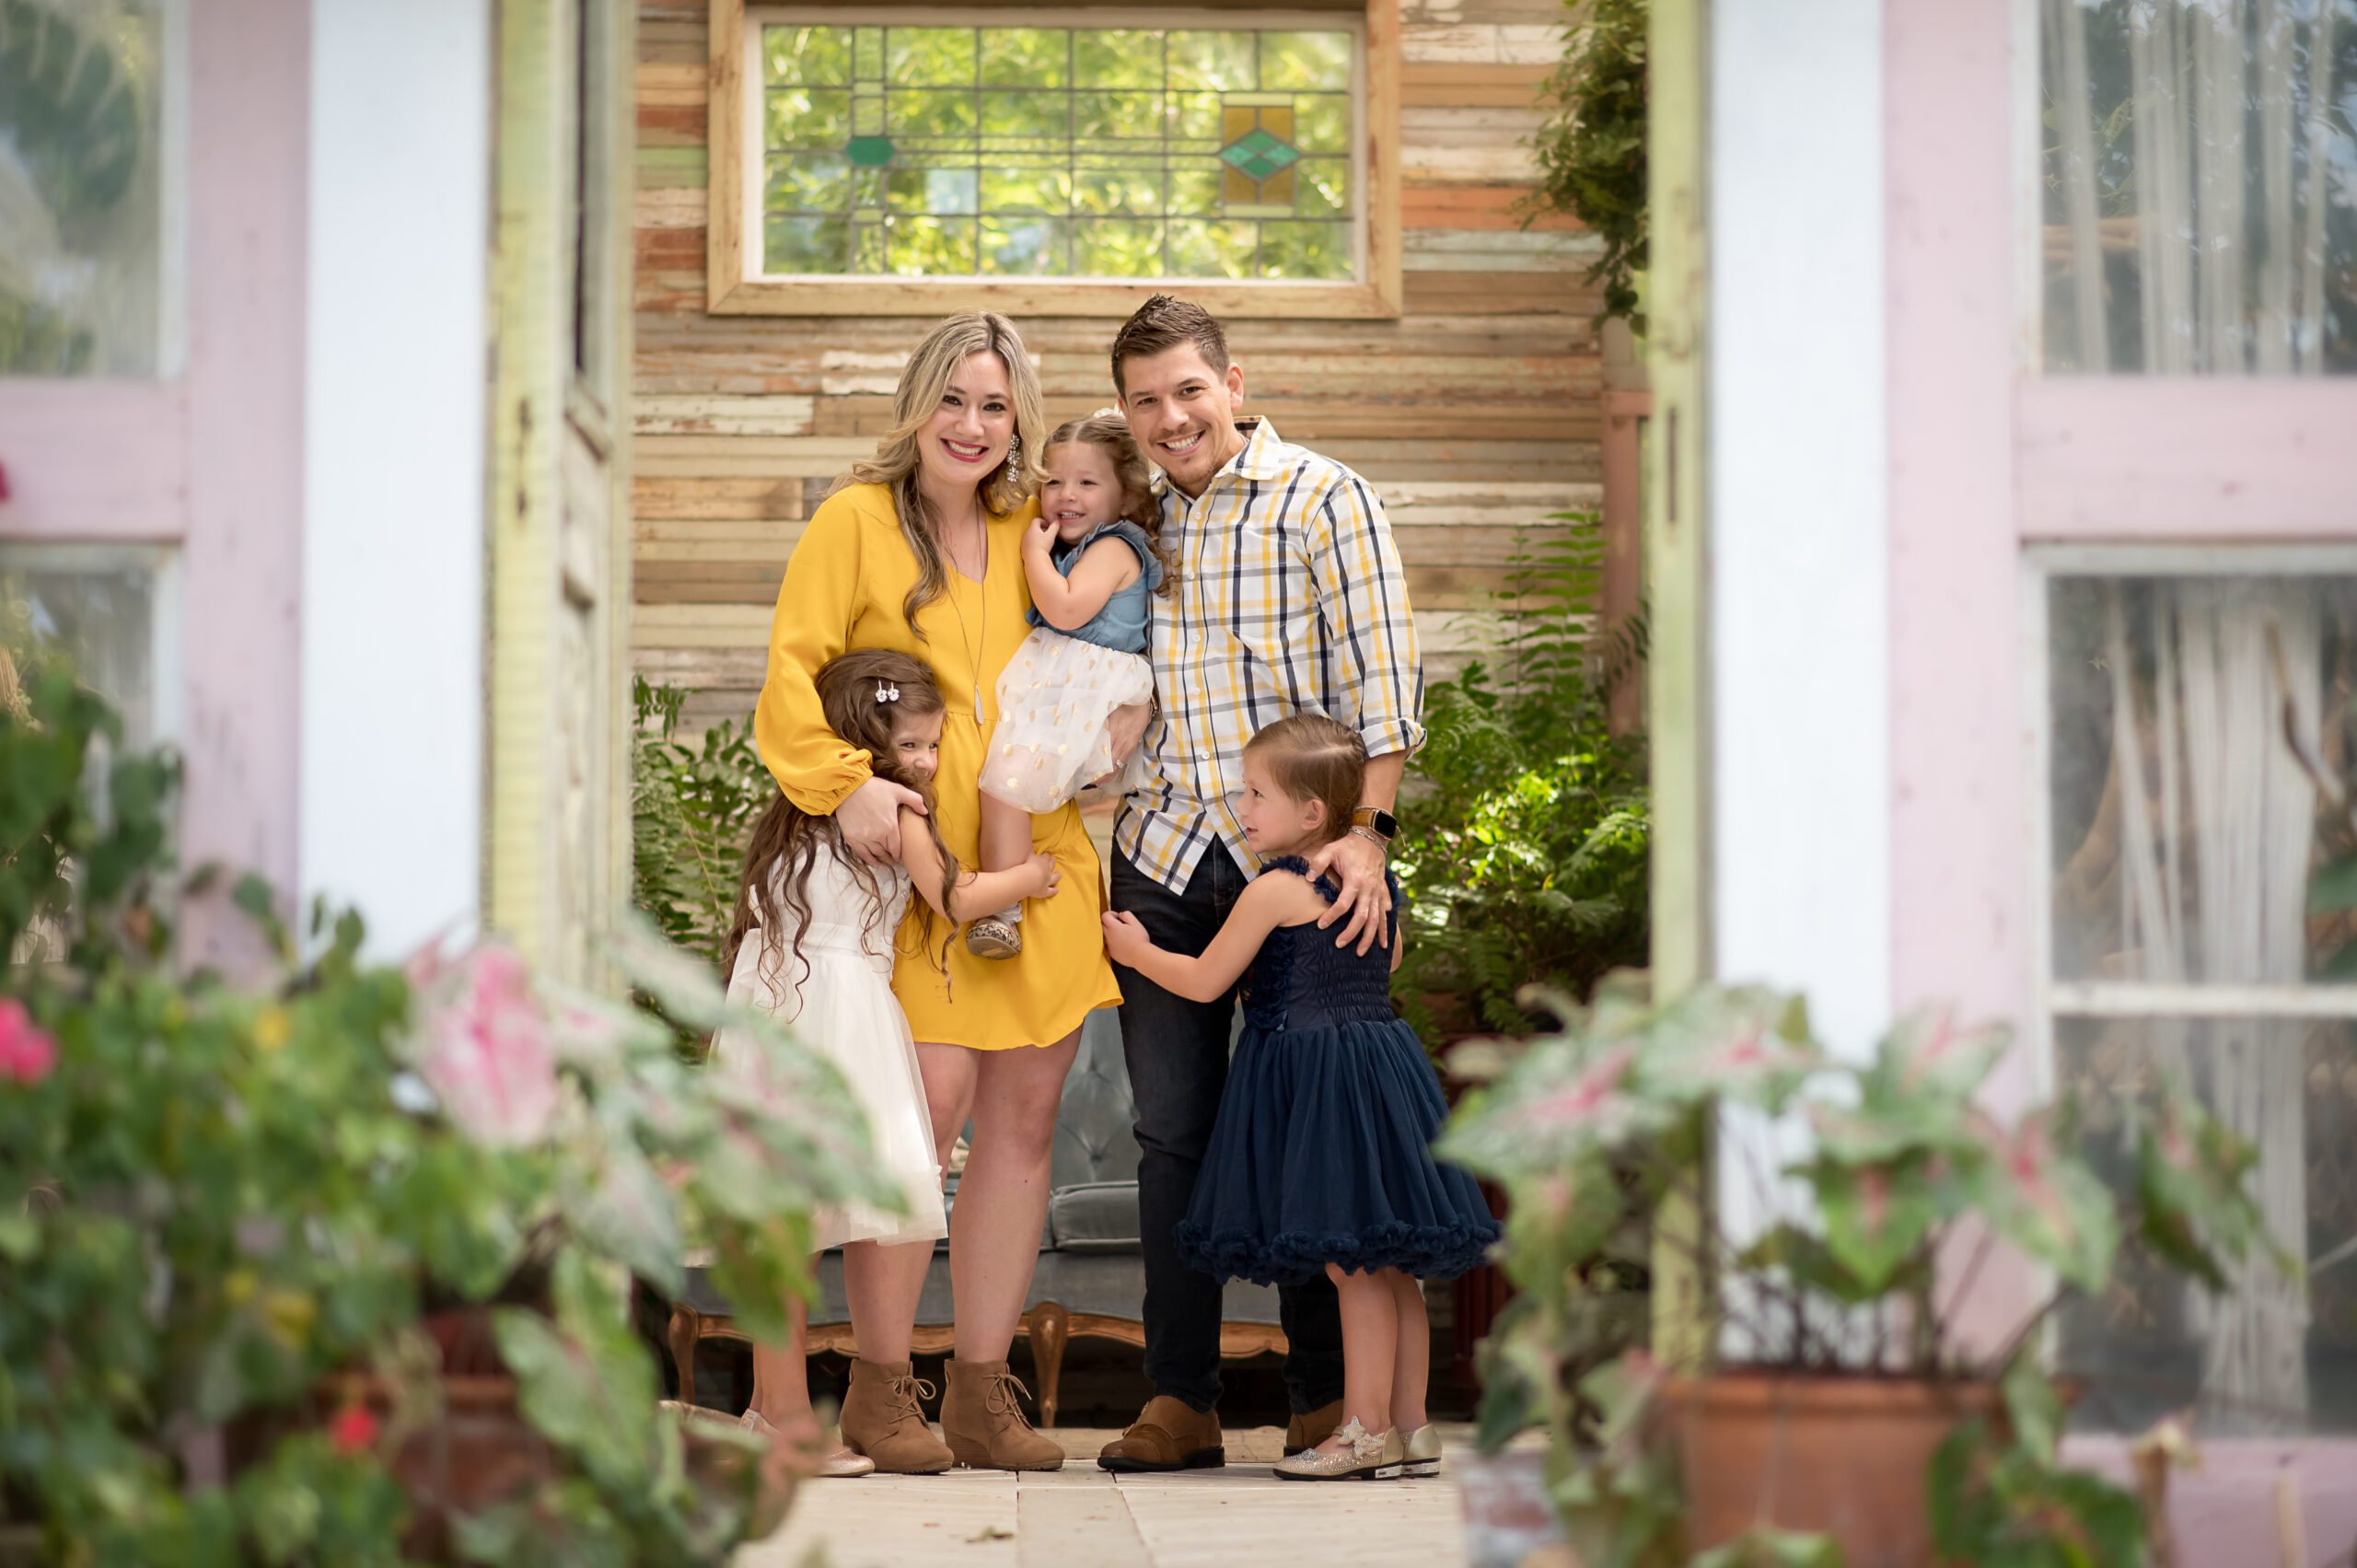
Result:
1058,152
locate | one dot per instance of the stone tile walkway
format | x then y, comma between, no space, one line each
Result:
1081,1516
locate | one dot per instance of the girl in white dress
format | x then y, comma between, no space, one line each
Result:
812,946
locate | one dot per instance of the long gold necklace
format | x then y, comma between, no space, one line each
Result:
982,616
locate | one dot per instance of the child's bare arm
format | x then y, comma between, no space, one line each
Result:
977,892
1278,897
1065,603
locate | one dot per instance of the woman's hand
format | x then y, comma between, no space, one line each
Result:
1125,939
869,819
1050,876
1365,898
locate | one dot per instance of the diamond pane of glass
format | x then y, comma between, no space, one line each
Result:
808,56
1044,151
931,56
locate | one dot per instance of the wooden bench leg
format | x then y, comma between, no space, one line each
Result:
1047,1327
687,1327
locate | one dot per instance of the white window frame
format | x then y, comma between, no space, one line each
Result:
736,285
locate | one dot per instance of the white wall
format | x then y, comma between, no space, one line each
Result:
1799,647
394,490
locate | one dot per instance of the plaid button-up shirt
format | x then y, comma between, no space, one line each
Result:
1291,599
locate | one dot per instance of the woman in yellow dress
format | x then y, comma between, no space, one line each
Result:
922,554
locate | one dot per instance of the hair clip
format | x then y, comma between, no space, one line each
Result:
1107,413
885,693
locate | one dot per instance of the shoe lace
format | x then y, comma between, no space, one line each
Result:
1002,1400
905,1392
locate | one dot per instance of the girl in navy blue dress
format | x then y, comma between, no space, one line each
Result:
1321,1156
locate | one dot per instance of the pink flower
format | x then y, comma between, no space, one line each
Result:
354,1430
26,1053
487,1053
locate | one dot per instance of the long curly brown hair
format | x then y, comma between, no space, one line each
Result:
775,893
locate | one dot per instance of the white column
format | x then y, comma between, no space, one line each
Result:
394,489
1800,703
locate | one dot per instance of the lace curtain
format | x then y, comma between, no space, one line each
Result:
2200,167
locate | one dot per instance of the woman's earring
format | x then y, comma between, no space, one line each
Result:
1015,461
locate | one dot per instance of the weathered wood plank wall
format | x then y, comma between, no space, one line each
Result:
1477,414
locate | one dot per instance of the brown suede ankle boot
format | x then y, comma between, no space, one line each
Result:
882,1420
984,1419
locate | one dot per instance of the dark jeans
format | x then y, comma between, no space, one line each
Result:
1178,1056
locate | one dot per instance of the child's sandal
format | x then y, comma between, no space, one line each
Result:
992,937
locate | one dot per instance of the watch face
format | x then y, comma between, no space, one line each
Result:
1382,821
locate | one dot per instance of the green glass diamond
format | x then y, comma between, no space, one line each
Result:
869,151
1258,154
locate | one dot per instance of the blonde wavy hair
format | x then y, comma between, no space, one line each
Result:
895,465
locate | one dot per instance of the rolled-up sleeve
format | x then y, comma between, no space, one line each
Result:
817,605
1377,679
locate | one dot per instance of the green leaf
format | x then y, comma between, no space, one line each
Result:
1763,1546
1879,1218
2334,886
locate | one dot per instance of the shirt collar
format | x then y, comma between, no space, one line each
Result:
1258,460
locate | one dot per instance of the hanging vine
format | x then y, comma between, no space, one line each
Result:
1591,150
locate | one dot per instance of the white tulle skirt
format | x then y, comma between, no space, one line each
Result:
844,1010
1054,698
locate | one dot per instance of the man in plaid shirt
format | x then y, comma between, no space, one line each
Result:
1291,599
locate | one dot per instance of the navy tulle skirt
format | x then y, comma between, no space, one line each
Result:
1322,1155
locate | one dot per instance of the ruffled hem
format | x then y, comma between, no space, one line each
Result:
1427,1253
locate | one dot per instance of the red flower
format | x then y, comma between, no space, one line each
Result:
354,1430
26,1053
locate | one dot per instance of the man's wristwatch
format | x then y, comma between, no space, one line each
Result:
1378,821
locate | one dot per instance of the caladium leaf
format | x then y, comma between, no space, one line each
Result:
1878,1217
2049,1205
2193,1201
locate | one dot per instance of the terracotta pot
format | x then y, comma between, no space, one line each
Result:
1843,1455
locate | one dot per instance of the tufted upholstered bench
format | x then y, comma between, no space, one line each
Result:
1090,1278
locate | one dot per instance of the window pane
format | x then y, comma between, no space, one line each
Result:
1032,58
1117,58
1312,60
2276,1355
83,263
1220,59
808,56
101,611
929,56
2187,836
806,244
1011,125
2201,179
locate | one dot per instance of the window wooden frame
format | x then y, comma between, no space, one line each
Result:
733,184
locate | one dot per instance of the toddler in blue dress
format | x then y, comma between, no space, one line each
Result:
1321,1156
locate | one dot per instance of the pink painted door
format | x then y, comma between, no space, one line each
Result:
152,167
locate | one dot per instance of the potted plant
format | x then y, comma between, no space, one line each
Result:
1838,1404
330,1264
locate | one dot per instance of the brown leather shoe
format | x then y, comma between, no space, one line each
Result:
1169,1435
882,1420
982,1415
1309,1430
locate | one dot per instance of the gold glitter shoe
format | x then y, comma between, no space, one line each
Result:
1422,1451
1363,1456
991,937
